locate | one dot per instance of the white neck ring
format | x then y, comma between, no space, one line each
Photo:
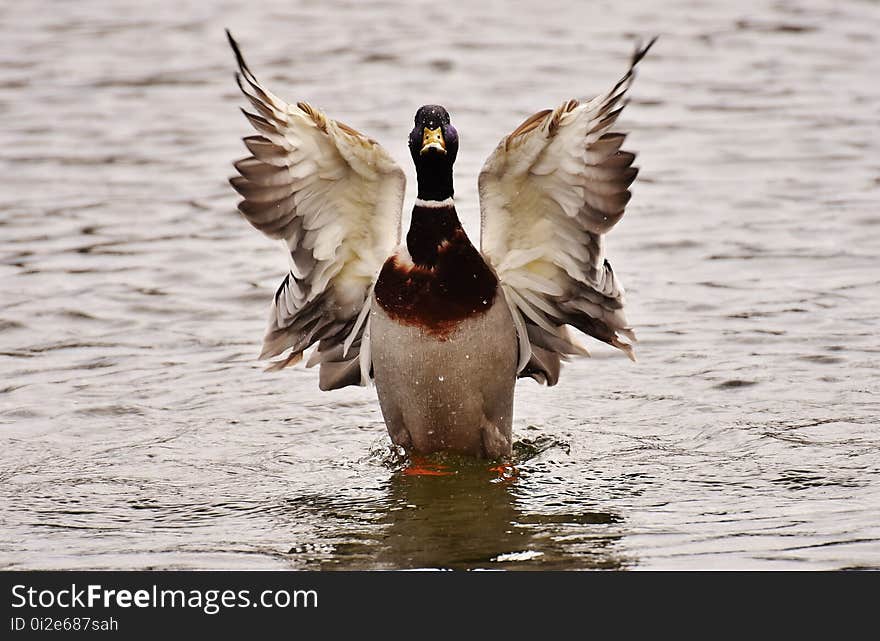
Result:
435,204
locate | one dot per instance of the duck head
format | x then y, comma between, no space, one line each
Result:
433,143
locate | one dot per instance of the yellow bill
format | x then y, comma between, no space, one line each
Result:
433,139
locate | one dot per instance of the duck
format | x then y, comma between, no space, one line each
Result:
443,329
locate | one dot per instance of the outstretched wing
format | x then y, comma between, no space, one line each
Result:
335,197
548,194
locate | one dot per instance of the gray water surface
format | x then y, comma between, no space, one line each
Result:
139,431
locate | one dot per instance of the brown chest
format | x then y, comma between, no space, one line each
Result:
458,286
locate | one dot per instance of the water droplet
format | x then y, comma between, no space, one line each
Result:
440,378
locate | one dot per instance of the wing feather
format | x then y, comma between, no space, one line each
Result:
335,197
548,194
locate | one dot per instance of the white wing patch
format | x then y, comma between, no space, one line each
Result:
548,194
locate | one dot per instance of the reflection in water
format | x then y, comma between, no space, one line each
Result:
468,517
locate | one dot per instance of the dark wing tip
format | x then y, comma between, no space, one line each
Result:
239,58
641,52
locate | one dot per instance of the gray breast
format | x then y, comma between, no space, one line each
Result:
450,392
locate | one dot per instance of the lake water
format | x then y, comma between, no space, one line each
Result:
139,431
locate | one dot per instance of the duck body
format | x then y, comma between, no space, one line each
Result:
443,329
443,342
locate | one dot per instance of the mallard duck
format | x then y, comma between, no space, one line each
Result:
444,329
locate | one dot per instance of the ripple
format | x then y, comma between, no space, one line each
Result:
735,383
822,359
6,325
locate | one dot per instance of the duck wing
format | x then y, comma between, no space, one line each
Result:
335,198
549,193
